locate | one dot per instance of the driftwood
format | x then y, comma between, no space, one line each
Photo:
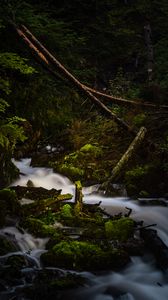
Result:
117,170
46,56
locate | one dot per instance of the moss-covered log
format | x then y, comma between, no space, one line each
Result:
119,168
78,198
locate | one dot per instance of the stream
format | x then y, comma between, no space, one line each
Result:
140,280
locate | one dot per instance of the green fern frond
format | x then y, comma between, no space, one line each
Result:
13,61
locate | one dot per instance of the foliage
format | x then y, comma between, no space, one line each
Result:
13,61
120,229
139,119
10,130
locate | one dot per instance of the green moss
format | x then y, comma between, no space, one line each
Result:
66,211
141,178
83,256
120,229
80,165
94,150
68,282
139,119
75,255
38,228
71,171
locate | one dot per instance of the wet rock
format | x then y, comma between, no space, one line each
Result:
10,198
34,193
39,228
6,245
150,201
156,246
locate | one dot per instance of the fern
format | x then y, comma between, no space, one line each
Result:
9,60
3,105
10,130
5,86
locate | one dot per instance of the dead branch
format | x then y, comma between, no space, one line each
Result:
31,39
119,100
115,99
117,170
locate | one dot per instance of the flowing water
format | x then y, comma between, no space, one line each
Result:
141,280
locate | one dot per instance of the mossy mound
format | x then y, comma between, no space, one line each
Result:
16,262
120,229
9,205
55,284
40,229
84,256
9,172
6,246
84,164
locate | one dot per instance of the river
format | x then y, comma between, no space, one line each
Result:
140,280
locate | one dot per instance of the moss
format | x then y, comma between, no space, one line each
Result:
69,282
38,228
80,165
83,256
40,206
71,171
144,179
6,246
143,194
89,148
66,211
120,229
139,120
9,204
9,172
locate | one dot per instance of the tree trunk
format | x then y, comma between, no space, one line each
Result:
148,40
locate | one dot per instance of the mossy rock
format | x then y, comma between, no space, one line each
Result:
120,229
34,193
82,165
55,284
66,211
9,172
9,205
38,228
16,262
71,171
96,151
6,246
147,180
83,256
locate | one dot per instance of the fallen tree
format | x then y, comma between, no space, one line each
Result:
103,108
118,169
46,56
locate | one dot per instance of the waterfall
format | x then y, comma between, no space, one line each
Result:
140,280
